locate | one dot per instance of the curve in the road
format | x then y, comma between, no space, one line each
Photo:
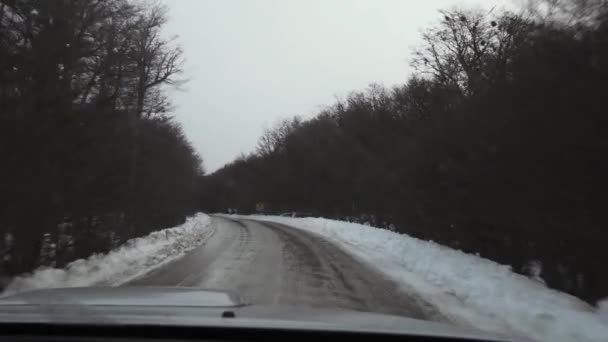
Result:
271,263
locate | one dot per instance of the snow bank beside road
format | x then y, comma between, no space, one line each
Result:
467,289
129,261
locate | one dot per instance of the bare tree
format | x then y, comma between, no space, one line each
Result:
158,61
468,50
274,139
85,110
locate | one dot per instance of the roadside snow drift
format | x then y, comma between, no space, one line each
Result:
466,289
129,261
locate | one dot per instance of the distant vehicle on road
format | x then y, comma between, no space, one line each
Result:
296,214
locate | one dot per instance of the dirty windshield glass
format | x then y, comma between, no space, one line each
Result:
443,160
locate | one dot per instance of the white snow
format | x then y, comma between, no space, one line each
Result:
127,262
602,309
466,289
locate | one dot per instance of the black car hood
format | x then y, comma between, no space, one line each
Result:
196,307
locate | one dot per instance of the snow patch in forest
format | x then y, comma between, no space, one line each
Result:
466,289
133,259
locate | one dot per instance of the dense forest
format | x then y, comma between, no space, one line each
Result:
496,145
89,153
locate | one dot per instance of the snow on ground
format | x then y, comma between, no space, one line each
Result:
466,289
129,261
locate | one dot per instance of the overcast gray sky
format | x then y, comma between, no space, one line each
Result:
252,62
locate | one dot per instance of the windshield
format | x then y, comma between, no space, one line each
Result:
443,160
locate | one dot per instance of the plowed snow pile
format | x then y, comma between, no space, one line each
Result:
134,258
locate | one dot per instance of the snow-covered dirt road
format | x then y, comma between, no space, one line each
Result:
317,262
270,263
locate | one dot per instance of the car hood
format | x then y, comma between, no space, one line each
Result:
126,296
197,307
